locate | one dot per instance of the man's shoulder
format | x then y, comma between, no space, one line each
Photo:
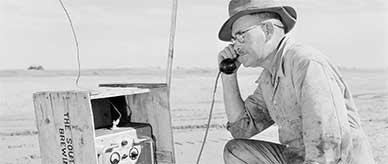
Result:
299,54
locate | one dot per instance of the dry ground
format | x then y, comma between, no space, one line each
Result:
190,101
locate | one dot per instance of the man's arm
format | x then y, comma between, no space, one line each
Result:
323,112
234,105
246,118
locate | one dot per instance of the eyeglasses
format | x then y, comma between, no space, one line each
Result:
240,35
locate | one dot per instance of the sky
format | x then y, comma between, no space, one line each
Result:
125,34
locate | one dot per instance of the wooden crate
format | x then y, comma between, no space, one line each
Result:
67,120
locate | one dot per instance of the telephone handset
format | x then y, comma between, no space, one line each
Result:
228,66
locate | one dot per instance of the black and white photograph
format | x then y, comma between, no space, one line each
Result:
193,82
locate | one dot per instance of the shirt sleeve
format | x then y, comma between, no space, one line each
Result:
254,119
318,96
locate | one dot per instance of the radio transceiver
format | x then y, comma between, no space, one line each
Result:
128,144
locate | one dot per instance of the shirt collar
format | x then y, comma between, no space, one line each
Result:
276,69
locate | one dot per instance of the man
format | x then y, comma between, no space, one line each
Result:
298,89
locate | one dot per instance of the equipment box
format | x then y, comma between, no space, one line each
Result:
115,123
129,144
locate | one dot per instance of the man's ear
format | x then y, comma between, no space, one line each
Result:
268,29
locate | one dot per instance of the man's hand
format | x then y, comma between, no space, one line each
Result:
234,105
228,52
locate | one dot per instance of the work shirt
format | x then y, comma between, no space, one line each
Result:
305,95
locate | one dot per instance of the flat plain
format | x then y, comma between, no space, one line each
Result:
190,100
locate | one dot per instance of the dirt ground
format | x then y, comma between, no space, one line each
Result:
190,102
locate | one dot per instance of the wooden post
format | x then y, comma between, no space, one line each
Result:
171,44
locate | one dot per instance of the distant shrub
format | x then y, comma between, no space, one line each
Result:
35,67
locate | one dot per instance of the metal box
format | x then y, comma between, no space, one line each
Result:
130,144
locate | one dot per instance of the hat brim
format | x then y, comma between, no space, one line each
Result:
287,15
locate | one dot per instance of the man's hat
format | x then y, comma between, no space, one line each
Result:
239,8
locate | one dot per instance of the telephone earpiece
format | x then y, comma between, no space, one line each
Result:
228,66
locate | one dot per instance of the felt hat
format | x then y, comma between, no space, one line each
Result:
239,8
